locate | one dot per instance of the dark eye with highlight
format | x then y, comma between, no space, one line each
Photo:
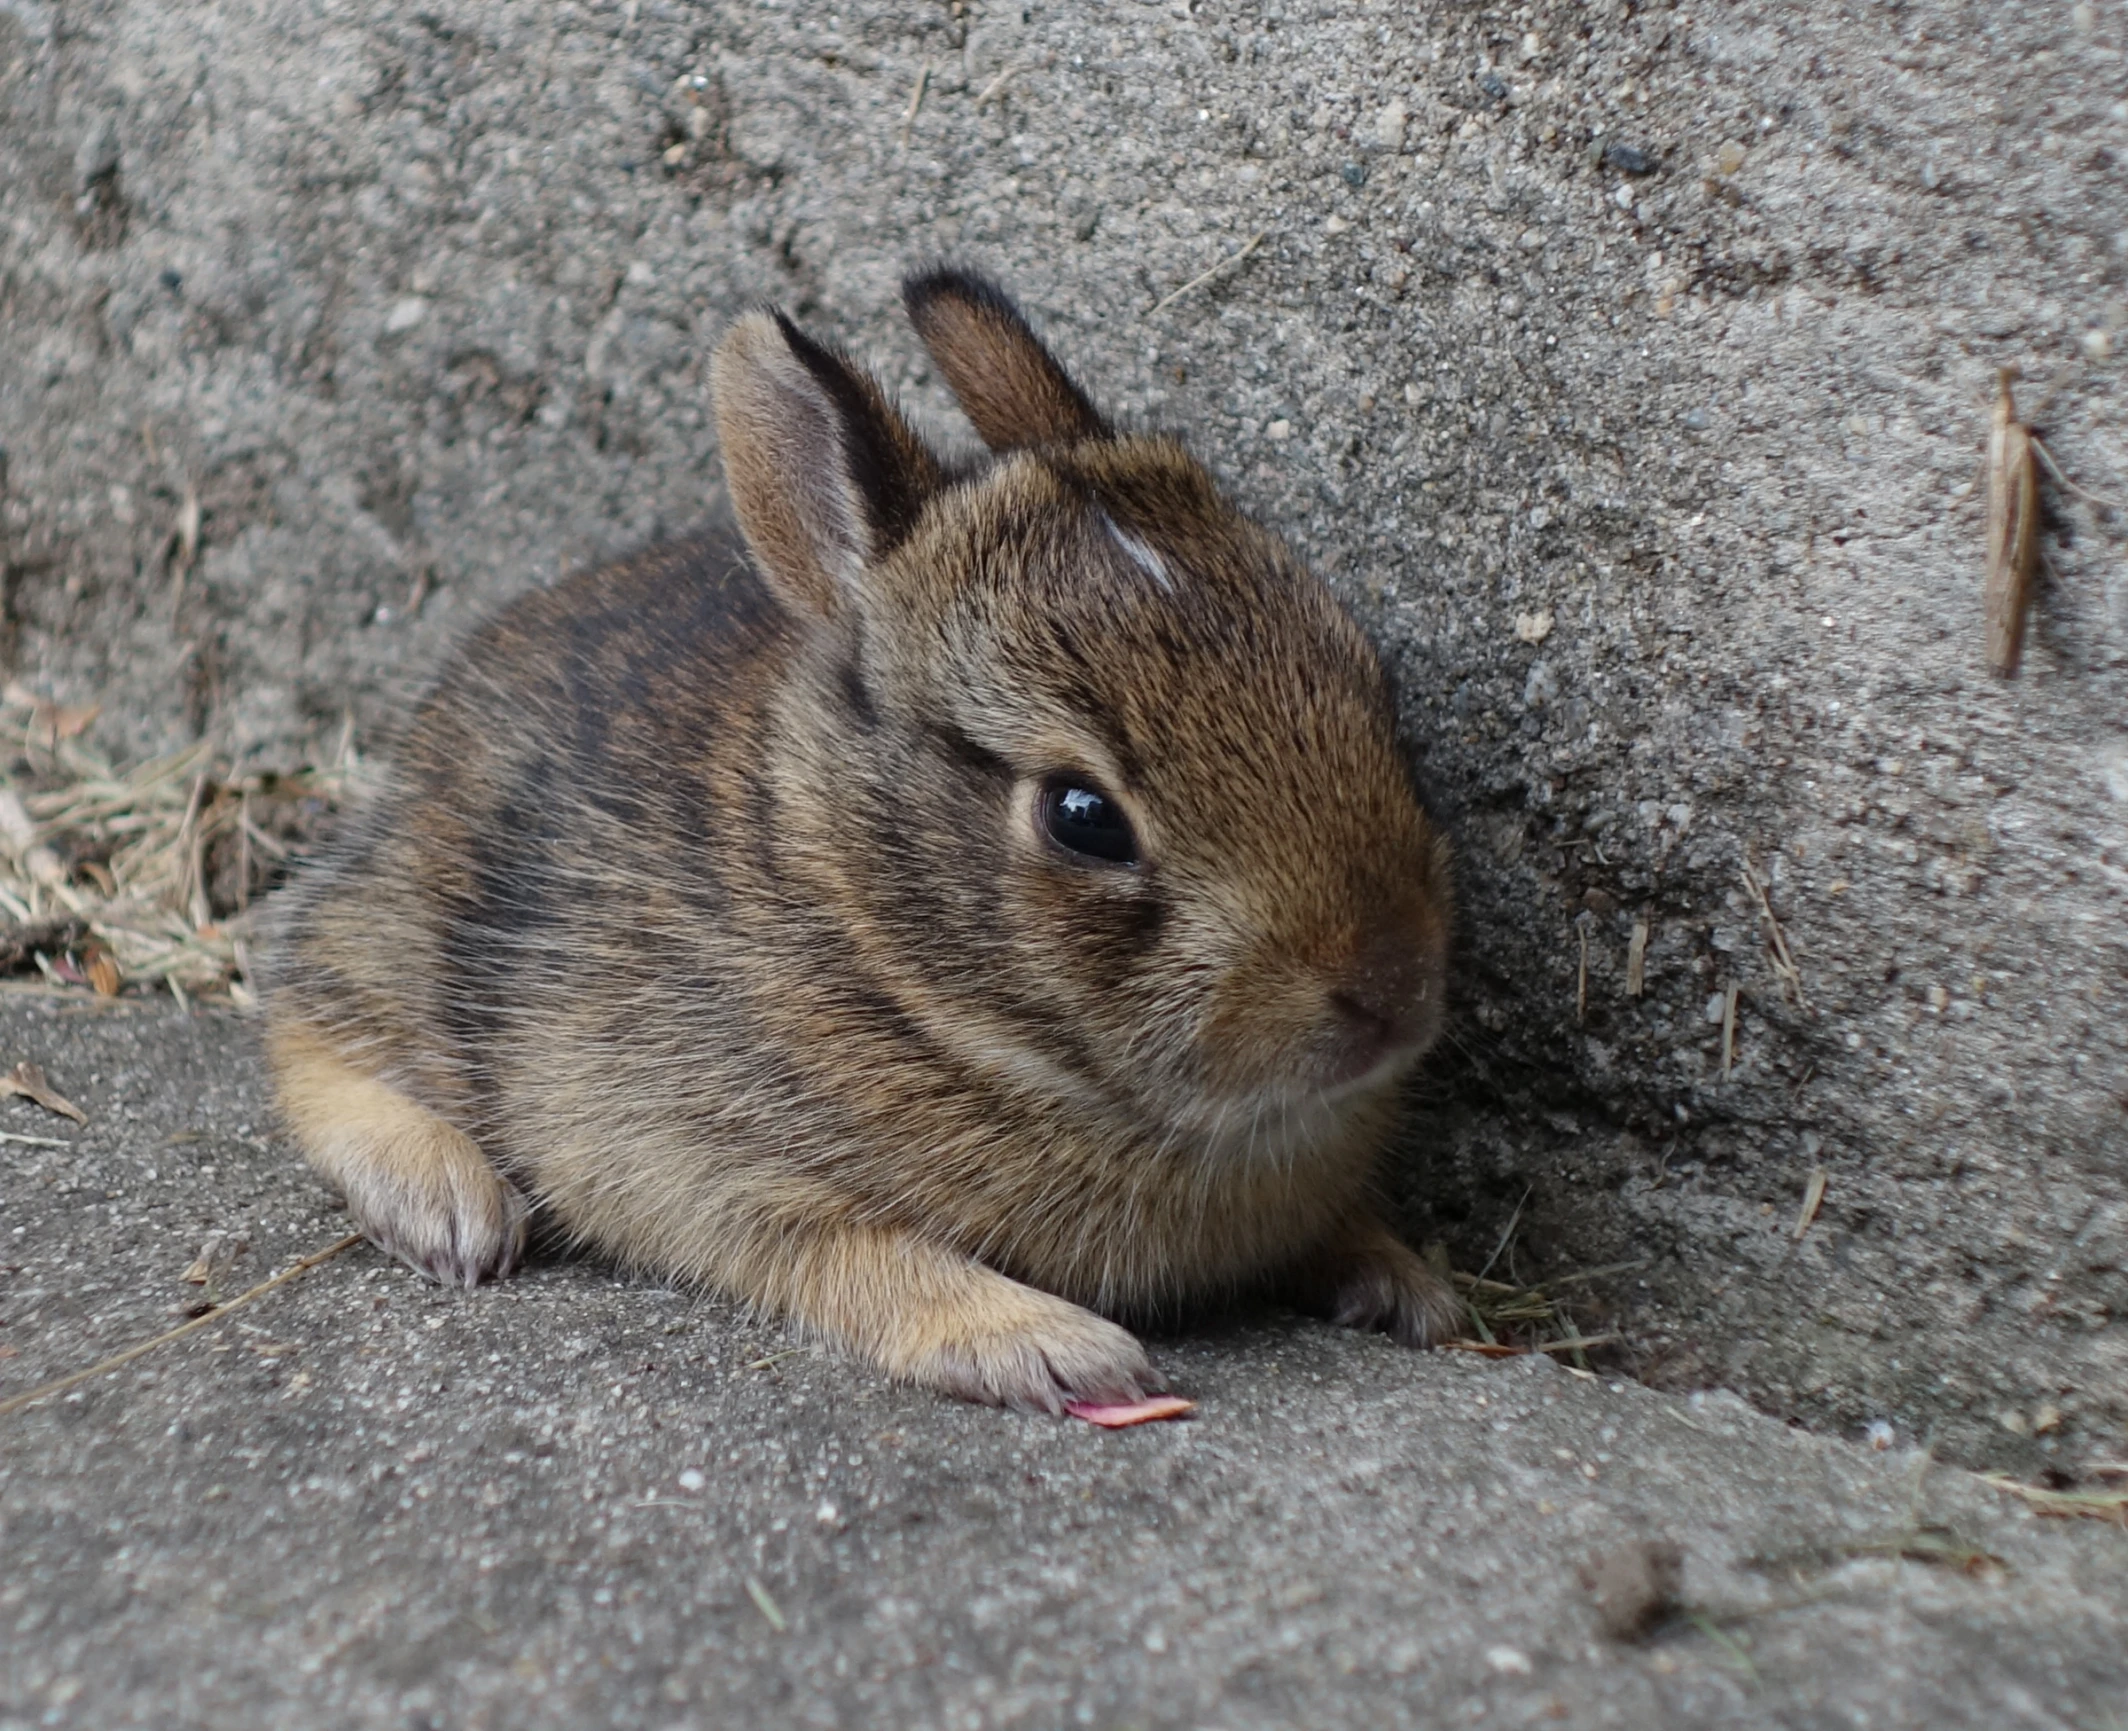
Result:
1081,819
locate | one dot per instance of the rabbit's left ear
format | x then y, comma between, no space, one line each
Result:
825,476
1010,387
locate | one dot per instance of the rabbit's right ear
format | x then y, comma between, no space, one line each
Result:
825,476
1008,385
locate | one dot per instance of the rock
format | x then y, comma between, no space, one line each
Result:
1635,1586
98,156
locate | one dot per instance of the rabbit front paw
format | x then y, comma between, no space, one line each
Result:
1367,1277
1039,1354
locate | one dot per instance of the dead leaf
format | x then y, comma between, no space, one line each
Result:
1118,1415
103,974
2013,518
51,722
217,1255
1813,1199
27,1080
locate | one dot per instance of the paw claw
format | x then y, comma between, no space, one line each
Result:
1396,1293
1058,1355
457,1233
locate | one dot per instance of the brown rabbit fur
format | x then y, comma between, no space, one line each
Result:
723,901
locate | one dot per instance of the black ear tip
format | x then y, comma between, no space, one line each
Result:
922,289
830,365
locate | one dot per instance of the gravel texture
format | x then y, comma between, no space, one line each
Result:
1626,368
573,1500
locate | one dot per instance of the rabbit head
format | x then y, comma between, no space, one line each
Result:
1101,781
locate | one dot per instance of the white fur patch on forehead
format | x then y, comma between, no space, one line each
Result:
1138,553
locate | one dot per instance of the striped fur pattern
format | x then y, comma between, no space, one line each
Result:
711,911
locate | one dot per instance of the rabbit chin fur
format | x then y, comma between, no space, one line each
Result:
711,904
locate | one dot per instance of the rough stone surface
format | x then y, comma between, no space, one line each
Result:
1627,369
572,1500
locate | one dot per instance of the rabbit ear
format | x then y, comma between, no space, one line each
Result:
825,477
1009,385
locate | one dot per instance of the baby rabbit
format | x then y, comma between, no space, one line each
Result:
967,904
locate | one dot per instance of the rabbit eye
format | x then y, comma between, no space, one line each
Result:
1084,820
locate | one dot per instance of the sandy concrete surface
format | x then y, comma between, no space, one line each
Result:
1626,367
577,1500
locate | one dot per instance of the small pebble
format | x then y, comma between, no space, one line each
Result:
692,1480
1389,127
98,157
1695,420
1879,1435
1730,157
1508,1661
1627,159
1278,432
1353,173
1494,86
2098,343
1635,1586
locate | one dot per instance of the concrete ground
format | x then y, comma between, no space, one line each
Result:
1626,367
577,1499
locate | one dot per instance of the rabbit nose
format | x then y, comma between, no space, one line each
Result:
1380,1004
1370,1030
1384,989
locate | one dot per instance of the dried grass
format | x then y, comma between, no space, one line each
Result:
134,880
2067,1505
1508,1320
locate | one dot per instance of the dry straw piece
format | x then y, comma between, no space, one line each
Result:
118,1361
2013,517
141,878
26,1081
